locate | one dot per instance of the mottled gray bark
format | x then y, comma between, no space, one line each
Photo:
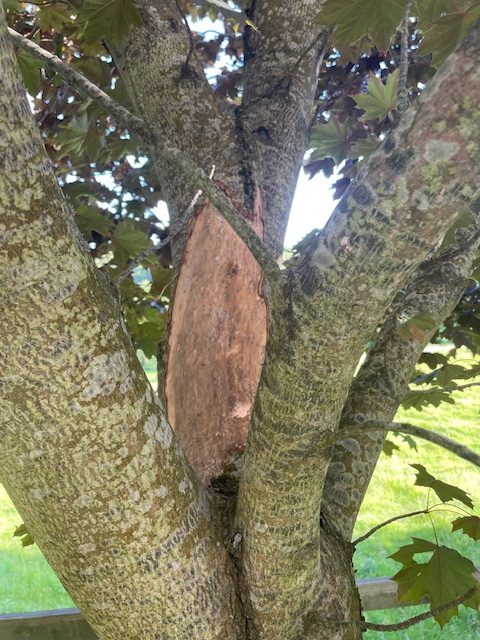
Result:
400,206
273,123
382,382
168,87
87,454
97,474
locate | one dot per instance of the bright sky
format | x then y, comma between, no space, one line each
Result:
311,207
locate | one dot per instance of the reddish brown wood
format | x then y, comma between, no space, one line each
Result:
217,343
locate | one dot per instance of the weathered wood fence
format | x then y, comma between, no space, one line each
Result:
68,624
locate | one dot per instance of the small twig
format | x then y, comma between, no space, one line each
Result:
131,266
403,76
432,436
78,81
384,524
410,622
190,37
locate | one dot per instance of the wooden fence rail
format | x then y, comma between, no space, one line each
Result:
68,624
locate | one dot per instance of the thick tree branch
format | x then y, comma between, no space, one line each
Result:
404,200
410,622
383,380
281,65
199,179
89,458
80,83
167,84
188,168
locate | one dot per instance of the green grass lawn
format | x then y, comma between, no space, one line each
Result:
27,583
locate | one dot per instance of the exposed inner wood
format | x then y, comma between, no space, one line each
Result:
217,343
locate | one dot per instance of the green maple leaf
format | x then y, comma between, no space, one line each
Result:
420,399
110,19
52,16
26,538
90,219
445,577
329,140
364,147
128,241
359,18
470,525
72,137
30,70
430,10
389,447
380,99
11,5
78,139
444,491
405,554
447,31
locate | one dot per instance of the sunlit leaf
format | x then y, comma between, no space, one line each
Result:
329,140
444,577
444,491
380,99
109,19
470,525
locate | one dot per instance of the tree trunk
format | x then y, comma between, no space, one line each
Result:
88,455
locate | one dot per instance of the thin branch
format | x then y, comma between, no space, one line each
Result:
191,171
410,622
384,524
432,436
402,81
131,266
78,81
186,64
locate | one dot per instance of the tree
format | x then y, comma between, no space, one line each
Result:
238,522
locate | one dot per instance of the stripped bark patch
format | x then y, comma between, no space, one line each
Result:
216,344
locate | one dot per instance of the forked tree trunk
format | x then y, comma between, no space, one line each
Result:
87,454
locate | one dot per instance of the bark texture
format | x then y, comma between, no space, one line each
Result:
382,382
168,87
143,551
401,205
87,454
273,123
